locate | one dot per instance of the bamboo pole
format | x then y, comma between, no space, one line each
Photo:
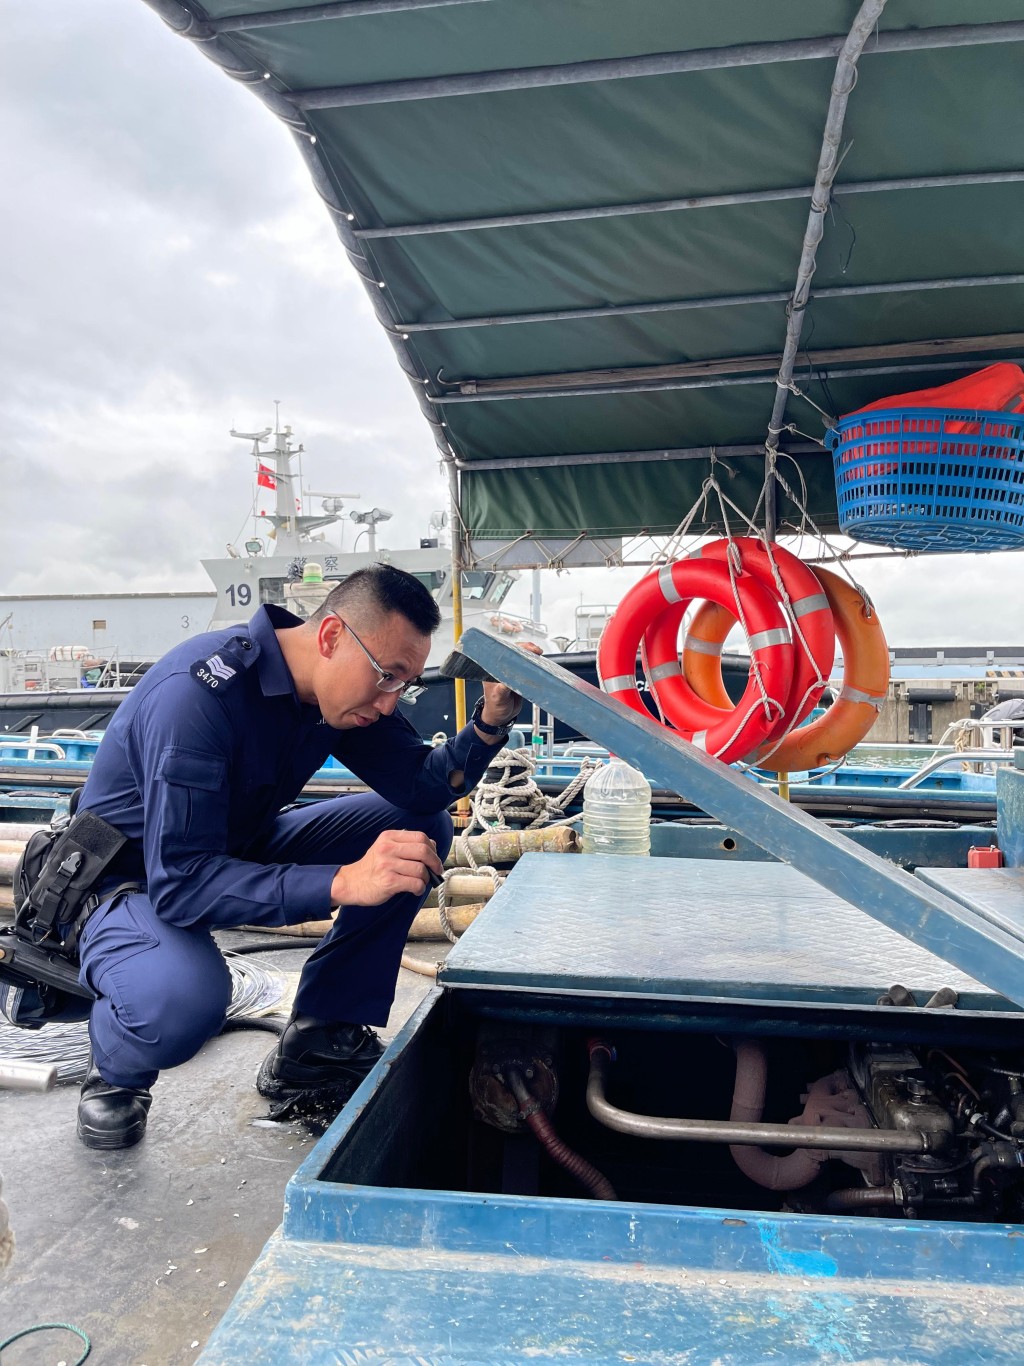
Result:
506,846
427,924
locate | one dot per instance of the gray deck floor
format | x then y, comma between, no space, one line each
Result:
144,1249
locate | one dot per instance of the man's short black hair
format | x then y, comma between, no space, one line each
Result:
377,590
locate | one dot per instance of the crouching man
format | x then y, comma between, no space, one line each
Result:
195,769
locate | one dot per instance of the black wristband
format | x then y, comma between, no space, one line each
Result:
486,727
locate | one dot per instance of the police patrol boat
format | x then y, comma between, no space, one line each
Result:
290,561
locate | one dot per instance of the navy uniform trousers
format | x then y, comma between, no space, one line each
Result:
164,989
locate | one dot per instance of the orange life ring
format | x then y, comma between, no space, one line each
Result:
865,684
652,609
808,605
864,689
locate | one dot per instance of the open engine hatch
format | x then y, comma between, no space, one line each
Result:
429,1215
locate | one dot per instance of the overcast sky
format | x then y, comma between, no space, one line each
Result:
168,272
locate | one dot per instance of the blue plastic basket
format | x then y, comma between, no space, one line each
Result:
927,479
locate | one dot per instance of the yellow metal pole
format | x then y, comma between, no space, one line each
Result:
460,683
462,810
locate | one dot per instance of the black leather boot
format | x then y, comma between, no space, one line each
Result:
316,1066
111,1116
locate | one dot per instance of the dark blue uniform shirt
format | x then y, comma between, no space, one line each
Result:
211,744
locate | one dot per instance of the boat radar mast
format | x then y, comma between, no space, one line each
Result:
291,528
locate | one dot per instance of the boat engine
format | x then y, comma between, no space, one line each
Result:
914,1130
973,1106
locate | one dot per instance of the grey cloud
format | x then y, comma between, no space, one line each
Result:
168,272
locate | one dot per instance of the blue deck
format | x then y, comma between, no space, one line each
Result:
314,1303
690,930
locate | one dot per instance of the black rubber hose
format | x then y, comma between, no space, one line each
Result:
253,1022
856,1197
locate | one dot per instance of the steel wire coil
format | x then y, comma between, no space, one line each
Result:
254,992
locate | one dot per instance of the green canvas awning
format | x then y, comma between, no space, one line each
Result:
581,223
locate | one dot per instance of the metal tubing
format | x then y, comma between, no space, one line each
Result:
653,64
533,462
716,382
828,164
27,1076
334,9
733,1132
740,365
706,201
774,296
958,756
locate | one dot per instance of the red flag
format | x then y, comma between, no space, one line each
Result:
265,477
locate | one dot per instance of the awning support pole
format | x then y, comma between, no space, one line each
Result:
942,348
333,9
702,201
652,64
775,296
716,382
828,164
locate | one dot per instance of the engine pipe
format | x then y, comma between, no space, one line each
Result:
728,1131
860,1197
532,1115
792,1172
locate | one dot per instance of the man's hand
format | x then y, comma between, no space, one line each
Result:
501,704
397,861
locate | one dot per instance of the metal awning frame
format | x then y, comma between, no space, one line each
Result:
681,205
214,38
654,64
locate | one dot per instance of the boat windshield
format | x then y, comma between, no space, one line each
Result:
272,590
485,586
432,579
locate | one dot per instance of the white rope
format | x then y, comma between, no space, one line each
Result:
511,796
835,556
819,679
442,890
502,549
770,704
732,556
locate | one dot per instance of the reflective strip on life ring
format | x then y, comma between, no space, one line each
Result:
712,623
653,609
865,686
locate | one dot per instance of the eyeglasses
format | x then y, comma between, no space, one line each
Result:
387,682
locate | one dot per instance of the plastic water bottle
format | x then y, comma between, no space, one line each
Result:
617,811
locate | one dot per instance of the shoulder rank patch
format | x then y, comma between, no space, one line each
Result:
219,670
216,672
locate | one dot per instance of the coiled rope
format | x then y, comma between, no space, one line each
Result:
45,1327
508,794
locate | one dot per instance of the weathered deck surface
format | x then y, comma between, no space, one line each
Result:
144,1249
